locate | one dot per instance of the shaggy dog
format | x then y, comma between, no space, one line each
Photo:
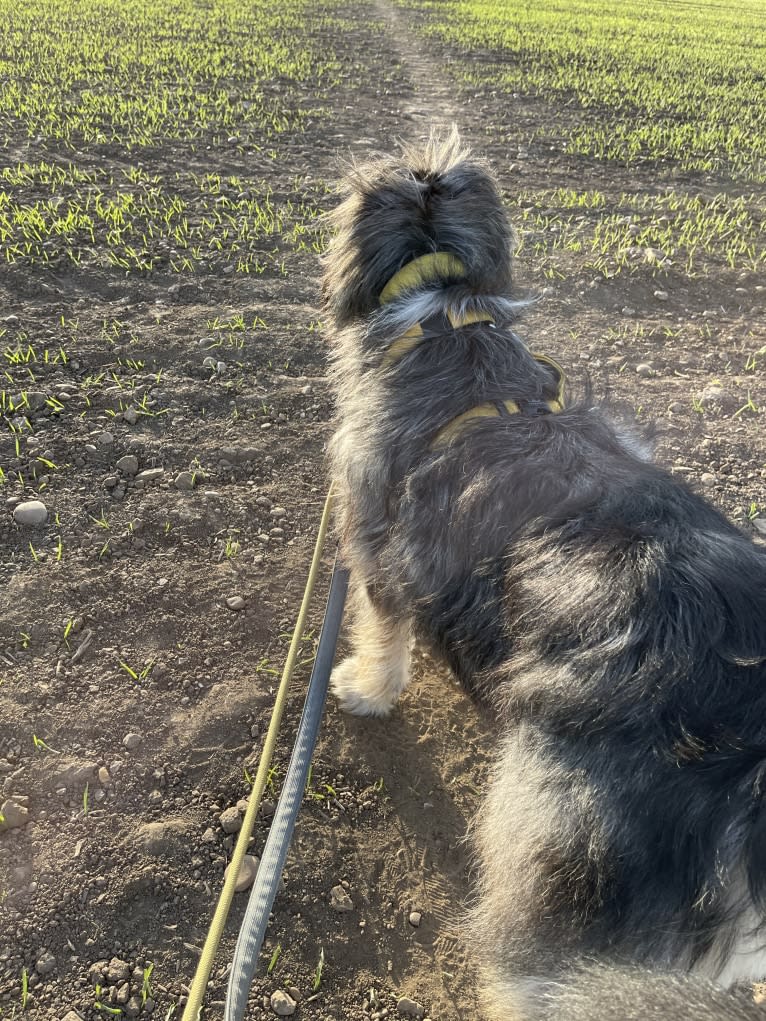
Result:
614,620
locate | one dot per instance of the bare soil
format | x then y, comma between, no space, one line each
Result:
121,855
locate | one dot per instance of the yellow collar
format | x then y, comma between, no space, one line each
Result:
424,270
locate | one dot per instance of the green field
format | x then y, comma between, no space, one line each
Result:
678,89
105,107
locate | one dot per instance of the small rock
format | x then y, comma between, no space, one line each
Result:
14,815
644,370
230,820
661,295
278,512
72,1016
132,741
150,474
628,311
759,524
30,513
106,439
103,776
247,873
130,415
410,1007
708,479
184,481
340,900
282,1004
123,993
128,464
208,837
414,919
45,963
235,603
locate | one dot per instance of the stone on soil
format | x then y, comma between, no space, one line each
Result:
230,820
247,873
30,513
410,1008
14,815
282,1004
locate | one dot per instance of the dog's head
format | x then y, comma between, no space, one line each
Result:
435,198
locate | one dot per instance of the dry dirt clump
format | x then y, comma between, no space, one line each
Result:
162,457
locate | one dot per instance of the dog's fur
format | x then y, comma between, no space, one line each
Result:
614,620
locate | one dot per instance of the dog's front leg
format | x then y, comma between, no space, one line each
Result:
369,682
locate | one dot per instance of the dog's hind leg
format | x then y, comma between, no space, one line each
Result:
370,681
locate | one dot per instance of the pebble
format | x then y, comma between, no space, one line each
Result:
414,919
644,370
45,963
150,474
247,873
15,815
708,479
30,512
184,481
340,900
106,439
282,1004
410,1007
235,603
230,821
103,776
661,295
132,741
130,415
278,512
128,464
71,1016
759,524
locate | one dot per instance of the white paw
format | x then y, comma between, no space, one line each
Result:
356,695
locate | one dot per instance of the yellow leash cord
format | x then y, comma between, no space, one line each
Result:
193,1006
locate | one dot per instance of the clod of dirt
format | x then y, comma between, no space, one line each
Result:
340,900
414,919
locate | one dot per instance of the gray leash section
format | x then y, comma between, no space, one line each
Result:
261,901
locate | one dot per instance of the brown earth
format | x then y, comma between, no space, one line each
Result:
129,632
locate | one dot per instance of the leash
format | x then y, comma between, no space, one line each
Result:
193,1007
256,920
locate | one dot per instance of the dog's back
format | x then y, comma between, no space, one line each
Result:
616,619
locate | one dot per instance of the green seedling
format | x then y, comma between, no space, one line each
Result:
146,989
41,746
274,958
317,982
